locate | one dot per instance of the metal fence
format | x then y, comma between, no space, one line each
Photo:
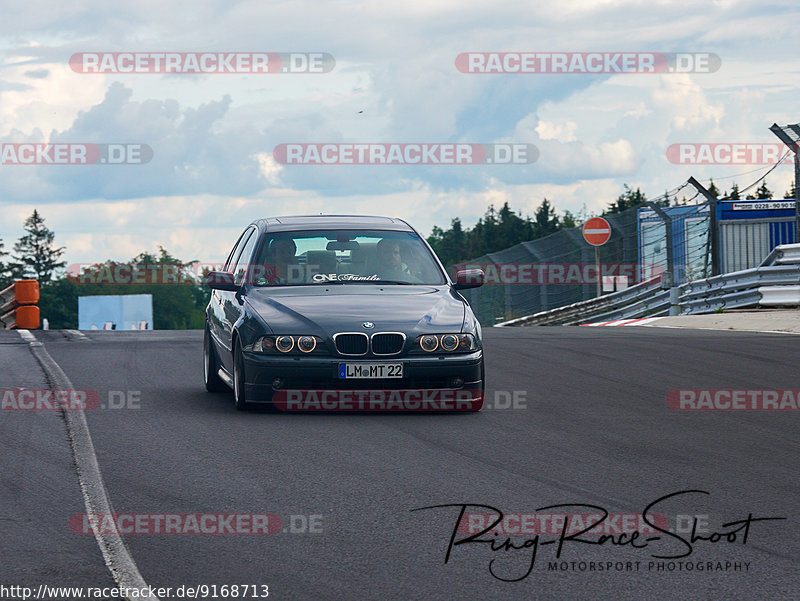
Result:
775,283
559,269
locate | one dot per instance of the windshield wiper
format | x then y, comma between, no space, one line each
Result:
400,282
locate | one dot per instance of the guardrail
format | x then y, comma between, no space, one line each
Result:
18,306
775,283
577,312
784,254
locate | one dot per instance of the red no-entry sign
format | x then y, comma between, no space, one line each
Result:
596,231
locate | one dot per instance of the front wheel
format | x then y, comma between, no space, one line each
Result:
210,366
239,394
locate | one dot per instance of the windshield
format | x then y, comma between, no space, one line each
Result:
344,256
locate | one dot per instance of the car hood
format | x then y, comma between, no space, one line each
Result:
325,310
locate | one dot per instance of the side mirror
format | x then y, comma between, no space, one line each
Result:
221,280
468,278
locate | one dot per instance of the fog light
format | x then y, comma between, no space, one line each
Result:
456,382
277,383
429,342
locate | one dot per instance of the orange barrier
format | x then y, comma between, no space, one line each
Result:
26,292
28,317
18,306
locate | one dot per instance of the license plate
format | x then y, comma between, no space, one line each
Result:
376,371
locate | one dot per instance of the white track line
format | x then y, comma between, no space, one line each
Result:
724,329
95,497
624,322
77,334
643,321
27,336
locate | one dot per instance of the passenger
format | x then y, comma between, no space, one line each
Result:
282,254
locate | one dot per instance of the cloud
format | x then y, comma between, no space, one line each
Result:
684,100
212,137
37,73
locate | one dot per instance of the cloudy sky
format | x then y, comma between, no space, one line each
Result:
394,80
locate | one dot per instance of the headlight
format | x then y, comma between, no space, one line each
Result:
448,343
284,343
306,343
264,344
467,342
288,345
429,342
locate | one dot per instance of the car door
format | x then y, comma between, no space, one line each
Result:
216,314
231,303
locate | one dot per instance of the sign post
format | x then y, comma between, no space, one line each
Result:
597,231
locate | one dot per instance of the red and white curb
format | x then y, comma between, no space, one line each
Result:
625,322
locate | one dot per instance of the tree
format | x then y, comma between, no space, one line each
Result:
178,301
545,220
5,277
713,190
58,302
734,195
762,192
627,200
34,254
569,220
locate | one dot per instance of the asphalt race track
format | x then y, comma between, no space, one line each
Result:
591,426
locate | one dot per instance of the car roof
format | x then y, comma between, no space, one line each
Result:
308,222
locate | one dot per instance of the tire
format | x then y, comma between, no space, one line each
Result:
211,367
239,392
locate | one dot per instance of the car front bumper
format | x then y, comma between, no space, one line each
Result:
429,383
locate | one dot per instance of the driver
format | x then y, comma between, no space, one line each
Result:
390,262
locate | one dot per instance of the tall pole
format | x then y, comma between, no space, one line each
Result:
670,279
597,265
713,225
796,197
783,134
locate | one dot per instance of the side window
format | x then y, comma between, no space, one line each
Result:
243,262
236,250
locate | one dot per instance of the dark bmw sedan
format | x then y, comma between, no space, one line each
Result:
342,313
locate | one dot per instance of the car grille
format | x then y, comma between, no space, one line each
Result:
387,344
351,344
